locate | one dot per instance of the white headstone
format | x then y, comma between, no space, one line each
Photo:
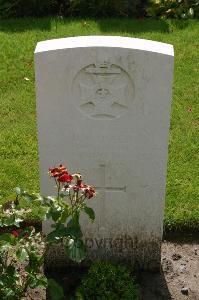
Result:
103,108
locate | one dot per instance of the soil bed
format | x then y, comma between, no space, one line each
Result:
178,279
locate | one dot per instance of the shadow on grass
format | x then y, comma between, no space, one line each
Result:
142,25
132,26
106,26
25,24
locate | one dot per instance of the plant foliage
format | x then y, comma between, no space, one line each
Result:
91,8
108,281
27,247
23,8
20,245
179,9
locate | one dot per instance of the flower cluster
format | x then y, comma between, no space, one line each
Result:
23,246
60,174
71,183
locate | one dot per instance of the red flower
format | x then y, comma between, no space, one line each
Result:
65,178
54,174
53,170
57,171
75,188
89,192
15,233
80,184
62,168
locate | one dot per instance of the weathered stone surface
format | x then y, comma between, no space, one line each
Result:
133,252
103,108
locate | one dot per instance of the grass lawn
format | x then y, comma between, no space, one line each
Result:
18,136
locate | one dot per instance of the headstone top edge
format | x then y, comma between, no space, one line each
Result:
104,41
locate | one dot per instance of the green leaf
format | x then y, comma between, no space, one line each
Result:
55,213
17,221
32,280
35,261
33,196
76,250
22,254
73,230
9,292
42,281
4,246
8,238
50,199
56,291
62,195
75,218
11,270
56,235
28,197
64,215
9,221
90,212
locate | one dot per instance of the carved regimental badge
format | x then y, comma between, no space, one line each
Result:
103,90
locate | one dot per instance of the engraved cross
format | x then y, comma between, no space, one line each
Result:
102,191
105,188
